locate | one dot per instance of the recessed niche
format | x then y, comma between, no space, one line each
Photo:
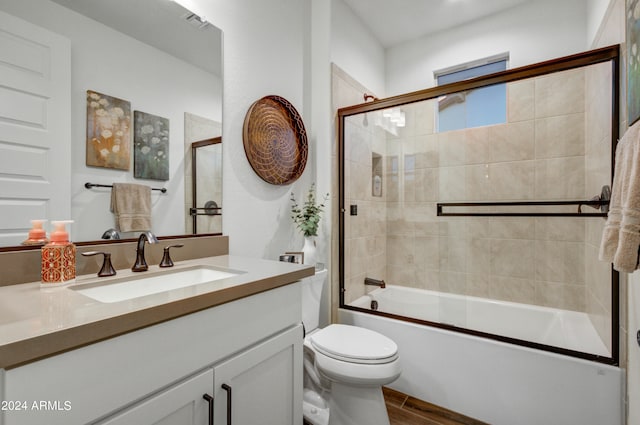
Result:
376,174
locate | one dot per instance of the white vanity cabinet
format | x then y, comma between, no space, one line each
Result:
260,386
159,374
181,404
256,386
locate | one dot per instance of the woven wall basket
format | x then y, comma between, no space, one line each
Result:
275,140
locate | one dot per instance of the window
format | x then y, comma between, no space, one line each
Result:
473,108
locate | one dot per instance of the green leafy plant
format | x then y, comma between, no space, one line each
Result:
307,217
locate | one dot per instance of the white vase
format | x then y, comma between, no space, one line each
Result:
309,250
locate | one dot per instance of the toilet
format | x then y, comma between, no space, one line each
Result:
345,366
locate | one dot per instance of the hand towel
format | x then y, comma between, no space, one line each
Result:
621,235
131,205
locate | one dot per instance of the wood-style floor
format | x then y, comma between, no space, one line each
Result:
407,410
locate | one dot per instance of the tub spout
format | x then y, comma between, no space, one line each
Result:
374,282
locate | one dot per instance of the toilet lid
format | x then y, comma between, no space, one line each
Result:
354,344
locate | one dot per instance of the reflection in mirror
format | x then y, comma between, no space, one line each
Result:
206,188
155,54
197,132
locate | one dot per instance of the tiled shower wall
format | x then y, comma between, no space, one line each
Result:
543,152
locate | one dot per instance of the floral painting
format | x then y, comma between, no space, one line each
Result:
633,60
151,146
108,131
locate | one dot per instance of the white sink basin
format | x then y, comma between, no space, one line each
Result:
134,287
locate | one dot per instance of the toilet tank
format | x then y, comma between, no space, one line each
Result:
312,288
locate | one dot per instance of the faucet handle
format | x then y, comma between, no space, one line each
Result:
166,258
107,269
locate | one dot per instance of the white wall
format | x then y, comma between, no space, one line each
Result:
264,51
355,49
531,32
109,62
596,10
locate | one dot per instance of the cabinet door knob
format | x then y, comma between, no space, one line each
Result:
210,401
227,388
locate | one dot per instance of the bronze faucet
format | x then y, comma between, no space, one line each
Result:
141,263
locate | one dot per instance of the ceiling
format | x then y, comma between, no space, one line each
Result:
398,21
158,23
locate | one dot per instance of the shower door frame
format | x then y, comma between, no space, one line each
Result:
591,57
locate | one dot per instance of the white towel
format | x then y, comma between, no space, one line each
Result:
621,236
131,204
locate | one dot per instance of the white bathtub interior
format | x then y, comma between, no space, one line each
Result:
554,327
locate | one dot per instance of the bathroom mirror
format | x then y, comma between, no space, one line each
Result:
165,61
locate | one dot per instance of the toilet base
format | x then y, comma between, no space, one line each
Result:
357,405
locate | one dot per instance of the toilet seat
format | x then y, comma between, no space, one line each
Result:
354,345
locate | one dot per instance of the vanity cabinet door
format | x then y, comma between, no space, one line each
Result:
262,385
181,404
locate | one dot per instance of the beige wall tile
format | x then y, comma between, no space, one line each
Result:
400,250
513,258
513,142
560,178
452,148
452,184
402,275
479,256
511,228
478,183
453,255
561,262
427,185
549,294
511,181
426,151
560,229
478,285
520,101
560,136
427,252
560,93
477,143
512,289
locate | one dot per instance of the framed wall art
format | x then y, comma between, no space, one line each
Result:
108,131
151,146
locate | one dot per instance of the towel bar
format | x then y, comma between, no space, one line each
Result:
90,185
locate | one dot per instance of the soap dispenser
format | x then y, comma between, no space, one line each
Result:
37,235
58,257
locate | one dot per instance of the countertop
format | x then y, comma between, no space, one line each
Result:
40,322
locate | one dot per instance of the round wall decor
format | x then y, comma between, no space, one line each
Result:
275,140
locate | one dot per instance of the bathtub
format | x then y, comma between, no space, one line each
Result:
494,381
